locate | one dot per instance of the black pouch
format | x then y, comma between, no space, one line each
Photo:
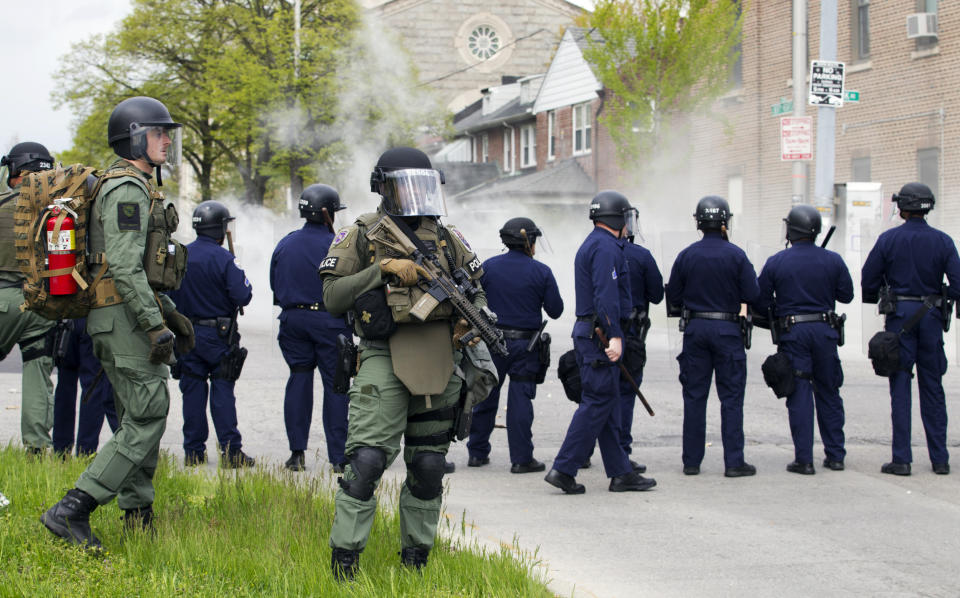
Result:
634,355
176,370
543,354
224,327
346,363
778,373
884,353
372,314
569,373
60,338
232,364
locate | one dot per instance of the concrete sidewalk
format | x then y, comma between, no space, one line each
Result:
851,533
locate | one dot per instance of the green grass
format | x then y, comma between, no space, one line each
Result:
260,533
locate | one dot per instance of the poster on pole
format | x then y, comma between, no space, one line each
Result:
826,83
796,138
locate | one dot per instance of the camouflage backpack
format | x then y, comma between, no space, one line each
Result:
55,195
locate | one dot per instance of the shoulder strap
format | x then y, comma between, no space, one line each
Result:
916,317
4,201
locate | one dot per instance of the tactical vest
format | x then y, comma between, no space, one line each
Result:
8,252
401,300
164,258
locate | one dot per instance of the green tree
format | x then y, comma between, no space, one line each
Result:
658,59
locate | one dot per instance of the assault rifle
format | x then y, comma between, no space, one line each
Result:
455,287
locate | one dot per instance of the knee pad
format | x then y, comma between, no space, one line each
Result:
368,464
427,468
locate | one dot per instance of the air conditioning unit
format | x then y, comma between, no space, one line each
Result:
922,24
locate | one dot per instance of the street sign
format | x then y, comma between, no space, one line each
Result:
826,83
851,96
785,106
796,138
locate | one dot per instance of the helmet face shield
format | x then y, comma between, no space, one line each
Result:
159,145
413,192
632,222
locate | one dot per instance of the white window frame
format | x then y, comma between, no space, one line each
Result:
508,144
551,132
485,147
582,124
528,146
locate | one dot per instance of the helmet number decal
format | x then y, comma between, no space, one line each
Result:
128,216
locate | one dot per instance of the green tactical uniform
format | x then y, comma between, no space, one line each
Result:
118,229
28,329
383,403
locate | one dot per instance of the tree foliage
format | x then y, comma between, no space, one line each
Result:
254,109
658,59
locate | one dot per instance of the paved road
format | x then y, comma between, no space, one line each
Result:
850,533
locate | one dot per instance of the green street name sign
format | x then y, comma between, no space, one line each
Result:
784,107
851,96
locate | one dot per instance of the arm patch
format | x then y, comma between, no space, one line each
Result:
128,216
328,264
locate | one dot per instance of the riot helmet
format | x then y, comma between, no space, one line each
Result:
141,128
803,222
713,212
315,199
408,183
611,208
914,197
27,155
211,218
519,233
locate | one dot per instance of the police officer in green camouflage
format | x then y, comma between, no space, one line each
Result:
132,324
30,330
407,384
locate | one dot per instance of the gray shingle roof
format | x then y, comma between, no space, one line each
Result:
566,178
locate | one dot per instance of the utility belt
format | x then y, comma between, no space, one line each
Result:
307,306
887,303
224,324
746,323
517,333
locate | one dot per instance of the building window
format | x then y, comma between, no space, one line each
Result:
485,147
860,170
483,42
928,169
551,135
508,150
528,146
582,128
860,29
927,43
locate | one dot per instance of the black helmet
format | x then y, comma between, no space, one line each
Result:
803,222
129,123
610,208
27,155
512,236
712,212
408,183
317,197
914,197
210,219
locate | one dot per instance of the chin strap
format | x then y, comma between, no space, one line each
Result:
159,177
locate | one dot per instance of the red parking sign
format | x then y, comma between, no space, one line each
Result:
796,138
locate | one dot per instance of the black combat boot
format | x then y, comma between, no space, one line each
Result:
415,557
236,460
296,462
138,519
70,519
345,563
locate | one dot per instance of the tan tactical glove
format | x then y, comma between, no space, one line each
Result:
406,271
183,328
459,329
161,344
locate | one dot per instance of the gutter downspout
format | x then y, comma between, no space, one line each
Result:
596,143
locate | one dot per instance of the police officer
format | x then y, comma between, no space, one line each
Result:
517,288
74,358
711,279
646,287
132,326
29,330
912,260
211,295
602,301
803,284
308,332
406,384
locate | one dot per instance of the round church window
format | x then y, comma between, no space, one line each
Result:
483,42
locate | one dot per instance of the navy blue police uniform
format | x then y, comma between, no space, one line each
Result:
517,288
804,283
213,288
646,287
602,299
308,337
79,363
913,258
711,278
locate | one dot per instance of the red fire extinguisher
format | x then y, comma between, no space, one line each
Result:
61,252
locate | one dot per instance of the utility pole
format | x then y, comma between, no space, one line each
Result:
800,62
826,120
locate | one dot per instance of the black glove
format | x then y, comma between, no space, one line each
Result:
161,344
183,328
